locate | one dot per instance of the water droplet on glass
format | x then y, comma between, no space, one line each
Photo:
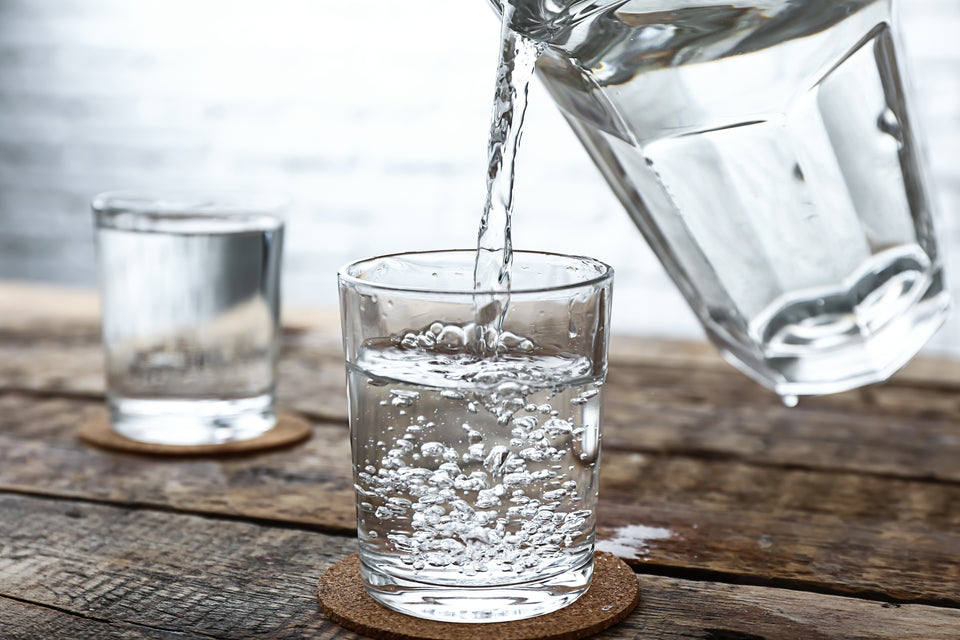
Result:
789,400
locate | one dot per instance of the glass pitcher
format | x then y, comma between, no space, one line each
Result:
766,152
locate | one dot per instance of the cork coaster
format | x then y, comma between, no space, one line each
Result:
613,594
289,430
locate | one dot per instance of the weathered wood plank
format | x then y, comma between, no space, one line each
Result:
844,532
29,307
173,573
626,349
310,371
680,609
311,377
167,571
310,483
897,429
918,448
695,385
30,310
900,428
25,621
825,530
66,365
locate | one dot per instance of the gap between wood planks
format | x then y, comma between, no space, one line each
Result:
610,444
70,612
724,577
689,574
717,456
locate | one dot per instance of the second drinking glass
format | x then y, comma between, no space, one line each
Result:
191,315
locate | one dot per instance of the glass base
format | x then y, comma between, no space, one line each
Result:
191,422
495,603
849,359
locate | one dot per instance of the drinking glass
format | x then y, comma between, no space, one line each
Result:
190,291
475,469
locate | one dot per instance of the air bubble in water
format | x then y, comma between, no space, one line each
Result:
517,479
451,339
404,398
433,449
486,498
494,461
475,497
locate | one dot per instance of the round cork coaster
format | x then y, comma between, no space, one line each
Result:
613,594
289,430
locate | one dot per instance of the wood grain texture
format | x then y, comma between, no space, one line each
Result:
679,609
64,364
841,532
724,388
742,520
903,428
26,621
308,484
170,572
706,479
907,446
153,574
69,361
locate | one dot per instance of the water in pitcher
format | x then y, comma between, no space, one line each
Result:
766,152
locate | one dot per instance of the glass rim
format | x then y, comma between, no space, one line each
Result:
606,275
145,210
189,202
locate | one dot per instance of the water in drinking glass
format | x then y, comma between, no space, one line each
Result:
485,476
190,323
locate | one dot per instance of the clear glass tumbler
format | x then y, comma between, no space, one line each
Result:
190,294
476,475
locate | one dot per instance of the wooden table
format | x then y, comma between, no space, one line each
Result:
743,519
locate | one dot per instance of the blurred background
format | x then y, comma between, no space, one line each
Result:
371,116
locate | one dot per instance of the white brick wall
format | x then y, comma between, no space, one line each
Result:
372,115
